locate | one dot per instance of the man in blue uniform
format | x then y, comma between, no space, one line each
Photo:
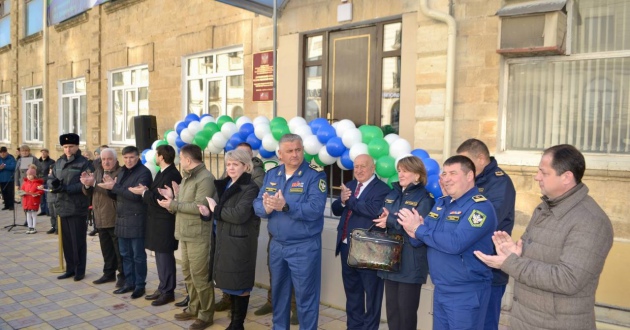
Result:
293,198
497,187
461,222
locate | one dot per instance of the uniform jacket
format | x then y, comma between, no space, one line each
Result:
497,187
30,202
103,204
196,186
364,209
305,193
564,248
6,174
20,173
131,212
236,234
414,266
160,231
71,202
452,231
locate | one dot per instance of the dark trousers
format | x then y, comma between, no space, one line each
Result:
364,294
74,242
43,205
134,259
53,215
401,302
111,253
494,307
8,194
166,269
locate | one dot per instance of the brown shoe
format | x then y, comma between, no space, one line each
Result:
184,316
200,325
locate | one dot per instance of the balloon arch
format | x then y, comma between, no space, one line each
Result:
324,144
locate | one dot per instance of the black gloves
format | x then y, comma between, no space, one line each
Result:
57,187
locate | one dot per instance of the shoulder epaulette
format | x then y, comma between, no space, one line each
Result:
273,168
499,173
431,195
316,167
479,198
443,196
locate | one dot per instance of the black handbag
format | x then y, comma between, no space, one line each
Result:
375,250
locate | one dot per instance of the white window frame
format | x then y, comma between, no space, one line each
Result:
28,136
5,117
134,87
222,77
82,131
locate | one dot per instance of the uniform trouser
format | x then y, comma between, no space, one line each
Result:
74,243
269,291
43,204
111,252
166,269
53,215
134,260
8,194
195,266
494,307
460,310
401,302
300,264
364,294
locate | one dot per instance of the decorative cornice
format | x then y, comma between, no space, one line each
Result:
5,49
72,22
33,37
114,6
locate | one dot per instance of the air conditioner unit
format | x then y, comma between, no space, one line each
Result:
536,28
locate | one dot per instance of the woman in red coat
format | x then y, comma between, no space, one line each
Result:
31,198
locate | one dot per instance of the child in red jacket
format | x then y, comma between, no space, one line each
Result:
31,198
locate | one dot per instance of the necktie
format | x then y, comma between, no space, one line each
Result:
349,214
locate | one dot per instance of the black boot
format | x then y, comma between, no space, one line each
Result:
239,312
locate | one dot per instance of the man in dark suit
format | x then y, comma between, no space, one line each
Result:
360,202
160,230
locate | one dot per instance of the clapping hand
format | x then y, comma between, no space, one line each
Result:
139,189
211,203
108,183
87,179
504,245
345,194
381,221
273,202
175,188
166,192
410,220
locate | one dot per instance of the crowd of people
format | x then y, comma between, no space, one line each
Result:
462,240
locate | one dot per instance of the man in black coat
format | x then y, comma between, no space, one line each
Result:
160,229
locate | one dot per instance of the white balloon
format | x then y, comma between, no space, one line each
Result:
228,129
399,148
213,149
176,160
312,145
303,131
341,165
154,144
171,137
242,120
207,119
325,157
261,130
219,141
343,126
390,138
194,127
296,122
260,120
401,157
269,143
150,157
335,125
358,149
186,135
151,168
177,123
351,137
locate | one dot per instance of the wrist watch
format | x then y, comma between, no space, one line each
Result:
285,208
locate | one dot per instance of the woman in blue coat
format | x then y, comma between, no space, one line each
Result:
402,288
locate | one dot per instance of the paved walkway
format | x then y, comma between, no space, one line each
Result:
32,298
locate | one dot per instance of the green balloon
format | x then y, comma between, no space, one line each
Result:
378,148
211,128
308,157
370,132
201,139
166,133
278,121
392,179
386,166
157,168
388,129
318,161
161,143
279,130
224,119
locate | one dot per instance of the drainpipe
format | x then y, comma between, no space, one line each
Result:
450,71
45,124
275,58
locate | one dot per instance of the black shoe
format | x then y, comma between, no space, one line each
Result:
51,231
163,300
124,289
77,278
183,303
93,232
153,296
104,279
41,213
120,282
137,293
5,208
65,276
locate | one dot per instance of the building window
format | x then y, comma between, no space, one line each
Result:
582,99
129,95
214,83
5,106
34,10
33,123
73,108
390,77
5,22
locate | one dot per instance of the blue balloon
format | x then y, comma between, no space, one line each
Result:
179,142
180,127
191,117
432,166
266,154
335,147
420,153
433,186
253,141
325,133
245,130
346,161
317,123
233,142
143,157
